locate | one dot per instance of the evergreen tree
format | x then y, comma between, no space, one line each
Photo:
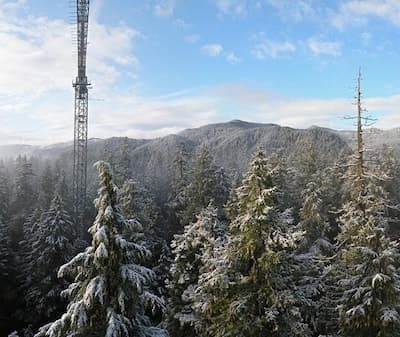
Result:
110,294
176,198
368,261
188,249
53,245
25,198
5,193
212,274
137,202
309,263
259,299
63,190
205,183
47,187
368,266
389,166
25,250
5,250
313,221
25,195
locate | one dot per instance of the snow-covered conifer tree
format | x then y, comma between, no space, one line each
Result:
26,258
313,221
188,249
47,187
5,193
260,300
309,262
109,295
368,266
205,183
53,245
5,250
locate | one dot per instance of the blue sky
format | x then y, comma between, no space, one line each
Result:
159,66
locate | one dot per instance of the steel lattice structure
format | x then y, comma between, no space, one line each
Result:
81,86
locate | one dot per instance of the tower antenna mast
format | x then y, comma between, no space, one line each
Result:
81,86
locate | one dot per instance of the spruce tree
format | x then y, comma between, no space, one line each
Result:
47,187
5,193
187,250
25,198
259,299
212,274
54,239
109,294
368,266
26,259
5,250
205,183
309,262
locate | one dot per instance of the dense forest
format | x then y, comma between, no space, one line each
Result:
300,243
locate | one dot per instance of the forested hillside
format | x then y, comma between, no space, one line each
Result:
233,229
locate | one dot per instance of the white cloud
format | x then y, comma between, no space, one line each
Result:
37,64
232,58
182,24
232,7
164,8
37,54
192,38
365,38
359,11
319,47
272,49
260,105
294,10
213,49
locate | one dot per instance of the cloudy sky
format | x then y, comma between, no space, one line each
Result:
159,66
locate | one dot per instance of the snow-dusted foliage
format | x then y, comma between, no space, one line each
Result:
139,208
5,251
188,250
368,264
205,183
212,280
309,262
109,294
259,299
26,259
313,221
52,245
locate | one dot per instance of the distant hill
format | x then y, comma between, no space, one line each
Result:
232,145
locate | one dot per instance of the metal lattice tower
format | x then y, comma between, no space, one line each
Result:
81,86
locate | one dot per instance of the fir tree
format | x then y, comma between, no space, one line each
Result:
5,251
53,245
23,185
5,193
313,221
25,198
109,295
308,265
259,299
188,249
137,202
368,260
47,187
368,267
205,183
25,250
176,198
212,279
